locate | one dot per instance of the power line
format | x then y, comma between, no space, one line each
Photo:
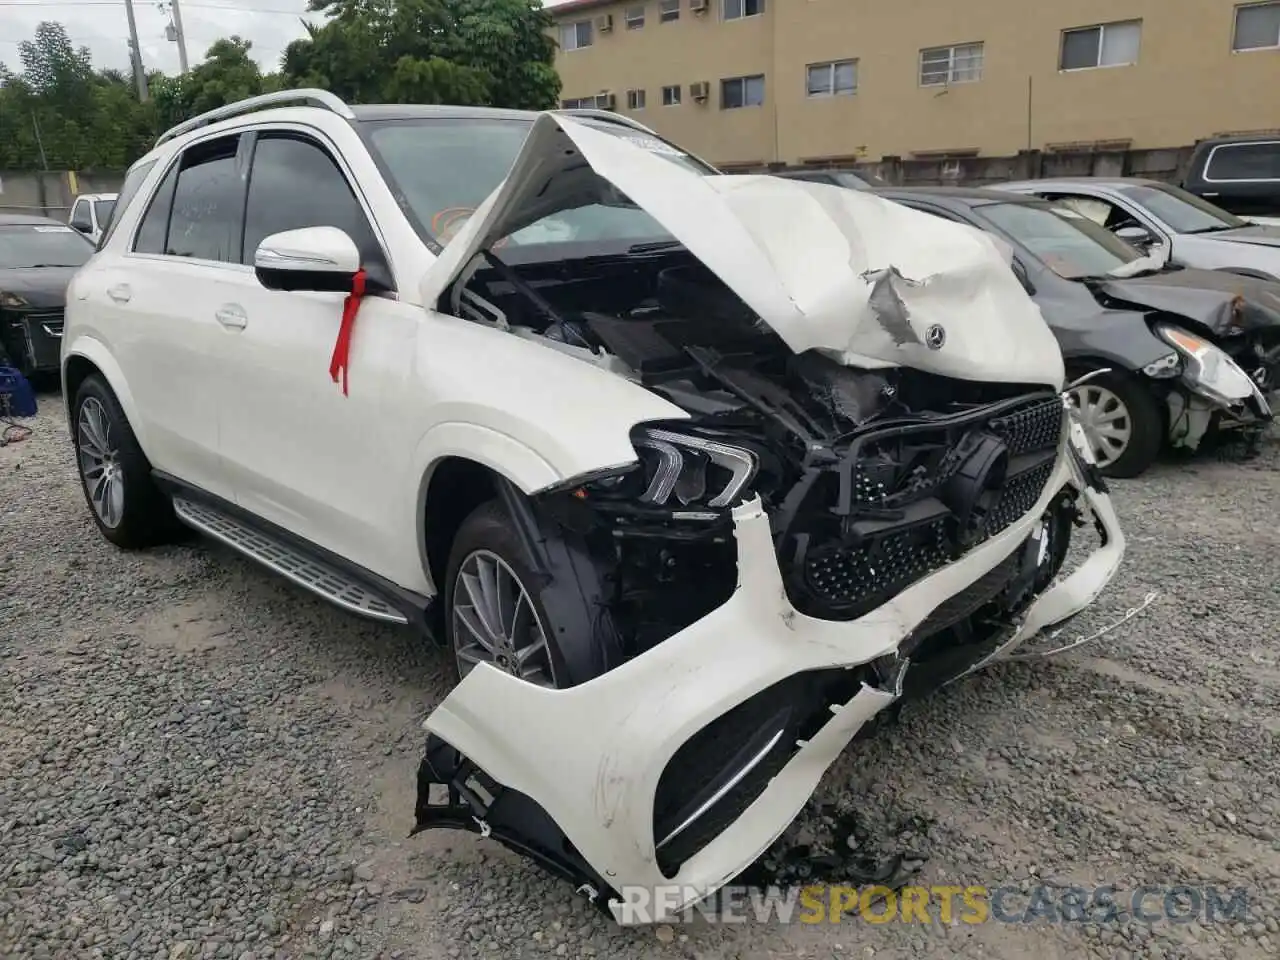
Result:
114,3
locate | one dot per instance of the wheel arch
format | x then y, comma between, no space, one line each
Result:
82,359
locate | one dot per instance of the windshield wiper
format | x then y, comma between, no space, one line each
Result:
1214,229
653,245
41,266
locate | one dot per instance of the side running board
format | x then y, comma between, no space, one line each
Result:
306,571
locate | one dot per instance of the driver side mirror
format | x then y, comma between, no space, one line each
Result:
1140,237
322,259
81,222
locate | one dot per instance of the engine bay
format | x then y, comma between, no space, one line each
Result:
871,478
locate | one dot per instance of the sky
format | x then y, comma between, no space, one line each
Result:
103,27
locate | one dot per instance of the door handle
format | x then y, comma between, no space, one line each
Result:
232,316
120,293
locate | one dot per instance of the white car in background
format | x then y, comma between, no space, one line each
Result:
91,213
692,474
1150,214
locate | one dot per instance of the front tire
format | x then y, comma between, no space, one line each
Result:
1123,423
498,609
124,501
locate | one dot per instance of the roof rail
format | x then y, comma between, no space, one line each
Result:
308,97
606,116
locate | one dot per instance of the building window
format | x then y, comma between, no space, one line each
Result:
668,10
575,36
634,18
835,79
1106,45
740,9
671,96
943,65
742,92
635,99
598,102
1257,27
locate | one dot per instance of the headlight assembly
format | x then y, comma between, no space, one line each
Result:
11,300
685,469
1208,368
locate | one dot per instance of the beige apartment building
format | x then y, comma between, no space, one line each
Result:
831,81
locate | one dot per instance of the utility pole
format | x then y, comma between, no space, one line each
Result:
181,36
139,75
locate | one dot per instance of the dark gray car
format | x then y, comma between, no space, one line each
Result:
1187,351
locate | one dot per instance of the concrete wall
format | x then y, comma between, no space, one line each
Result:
51,194
1187,83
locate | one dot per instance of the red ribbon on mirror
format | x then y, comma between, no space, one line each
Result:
341,348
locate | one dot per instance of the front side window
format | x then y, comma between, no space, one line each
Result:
205,219
80,215
443,169
1069,244
1106,45
668,10
1184,212
634,18
294,183
1257,27
740,9
671,95
575,36
1244,161
738,92
128,190
837,78
945,65
30,245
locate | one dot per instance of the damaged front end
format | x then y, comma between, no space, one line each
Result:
872,494
779,572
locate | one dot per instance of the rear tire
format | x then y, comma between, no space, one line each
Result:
1123,423
123,499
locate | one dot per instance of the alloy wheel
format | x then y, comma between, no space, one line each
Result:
1106,422
495,621
100,462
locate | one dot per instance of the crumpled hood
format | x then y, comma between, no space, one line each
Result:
1218,300
862,279
39,286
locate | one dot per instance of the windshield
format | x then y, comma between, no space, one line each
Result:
41,245
104,208
442,169
1183,212
1070,245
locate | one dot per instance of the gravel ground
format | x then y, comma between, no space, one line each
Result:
197,760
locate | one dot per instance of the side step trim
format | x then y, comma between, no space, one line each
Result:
320,578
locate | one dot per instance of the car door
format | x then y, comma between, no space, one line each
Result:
160,300
301,454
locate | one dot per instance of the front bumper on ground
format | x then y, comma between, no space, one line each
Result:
582,767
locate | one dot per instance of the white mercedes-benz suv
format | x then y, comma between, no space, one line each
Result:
692,474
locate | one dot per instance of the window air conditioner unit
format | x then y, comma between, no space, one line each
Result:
698,6
700,90
604,23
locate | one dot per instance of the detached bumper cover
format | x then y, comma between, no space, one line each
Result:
572,777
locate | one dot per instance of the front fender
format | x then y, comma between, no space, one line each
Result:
95,351
1119,340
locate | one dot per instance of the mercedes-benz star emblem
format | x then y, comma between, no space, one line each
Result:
935,337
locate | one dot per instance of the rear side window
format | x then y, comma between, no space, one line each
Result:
128,190
1244,161
295,183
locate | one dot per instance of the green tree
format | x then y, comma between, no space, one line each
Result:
486,52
